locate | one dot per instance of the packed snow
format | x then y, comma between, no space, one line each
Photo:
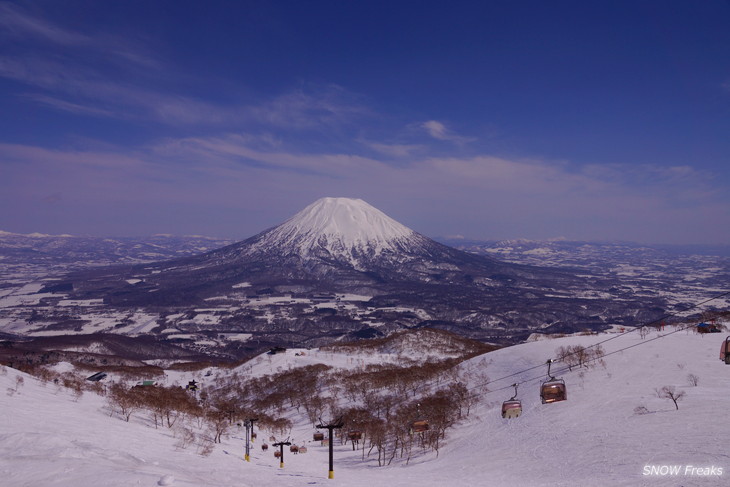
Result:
612,431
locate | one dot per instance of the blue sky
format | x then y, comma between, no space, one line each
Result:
491,120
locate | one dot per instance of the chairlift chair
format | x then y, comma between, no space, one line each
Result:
725,351
512,408
553,390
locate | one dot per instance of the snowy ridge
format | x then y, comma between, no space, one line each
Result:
348,229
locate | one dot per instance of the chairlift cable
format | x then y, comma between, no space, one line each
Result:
569,369
431,383
659,320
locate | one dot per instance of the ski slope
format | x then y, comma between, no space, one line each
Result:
595,438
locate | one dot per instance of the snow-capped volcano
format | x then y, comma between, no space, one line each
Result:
343,246
347,221
345,229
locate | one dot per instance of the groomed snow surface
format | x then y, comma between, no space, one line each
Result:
595,438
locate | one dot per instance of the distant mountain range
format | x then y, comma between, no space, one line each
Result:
36,248
520,246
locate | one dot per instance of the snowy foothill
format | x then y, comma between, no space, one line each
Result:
613,430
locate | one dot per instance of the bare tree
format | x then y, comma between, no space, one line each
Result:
19,381
693,380
643,332
669,392
218,423
123,398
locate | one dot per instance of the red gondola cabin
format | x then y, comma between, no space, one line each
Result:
511,409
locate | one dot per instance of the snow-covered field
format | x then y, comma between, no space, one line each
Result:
599,437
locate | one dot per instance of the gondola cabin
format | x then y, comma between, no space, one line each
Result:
725,351
318,437
553,391
511,409
354,435
419,426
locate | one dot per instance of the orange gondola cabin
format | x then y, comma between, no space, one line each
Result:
419,426
553,390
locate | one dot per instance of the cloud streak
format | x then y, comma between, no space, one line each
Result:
20,24
85,90
438,131
107,76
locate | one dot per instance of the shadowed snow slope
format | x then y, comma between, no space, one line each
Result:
596,438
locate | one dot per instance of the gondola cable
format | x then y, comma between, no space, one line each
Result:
659,320
541,377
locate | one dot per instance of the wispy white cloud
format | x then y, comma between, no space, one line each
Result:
394,150
76,86
68,106
438,131
126,51
19,23
72,87
324,106
71,159
22,25
119,77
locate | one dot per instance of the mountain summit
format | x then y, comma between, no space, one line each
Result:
349,221
343,229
